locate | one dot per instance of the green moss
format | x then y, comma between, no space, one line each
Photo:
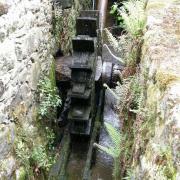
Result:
22,175
164,160
18,112
153,94
164,78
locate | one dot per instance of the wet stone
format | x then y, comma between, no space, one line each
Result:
78,88
83,44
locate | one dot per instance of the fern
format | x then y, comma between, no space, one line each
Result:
115,150
114,134
112,40
40,157
132,13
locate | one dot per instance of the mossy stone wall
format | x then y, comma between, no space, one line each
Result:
159,157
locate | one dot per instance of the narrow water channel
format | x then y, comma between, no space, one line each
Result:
102,168
77,160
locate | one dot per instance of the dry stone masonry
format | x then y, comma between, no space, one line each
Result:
28,41
25,51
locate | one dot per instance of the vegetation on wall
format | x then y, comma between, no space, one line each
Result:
138,113
132,17
36,155
64,21
48,98
34,158
130,92
34,143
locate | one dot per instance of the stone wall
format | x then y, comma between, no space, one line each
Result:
25,52
161,66
28,41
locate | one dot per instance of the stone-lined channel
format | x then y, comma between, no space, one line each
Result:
81,160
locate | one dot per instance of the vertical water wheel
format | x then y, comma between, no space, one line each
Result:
83,71
81,95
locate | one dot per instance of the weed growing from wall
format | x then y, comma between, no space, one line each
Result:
130,104
64,21
132,16
57,21
48,98
34,145
36,158
130,92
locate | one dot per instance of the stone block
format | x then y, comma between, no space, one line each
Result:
7,136
3,8
7,167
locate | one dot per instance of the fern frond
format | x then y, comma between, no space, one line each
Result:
112,40
114,134
132,13
109,150
114,150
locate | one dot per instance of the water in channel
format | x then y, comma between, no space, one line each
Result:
102,169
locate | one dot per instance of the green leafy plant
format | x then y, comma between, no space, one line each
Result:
40,158
131,17
57,21
22,148
126,46
115,150
50,135
34,158
130,94
134,19
114,8
23,154
165,162
129,175
49,100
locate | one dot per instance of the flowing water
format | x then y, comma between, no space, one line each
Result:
102,169
77,160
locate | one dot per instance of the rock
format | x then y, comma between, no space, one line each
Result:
7,136
3,9
27,46
9,166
